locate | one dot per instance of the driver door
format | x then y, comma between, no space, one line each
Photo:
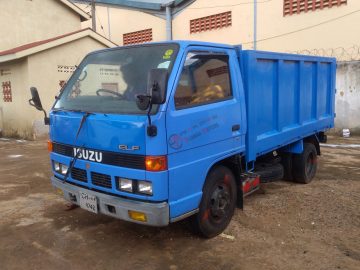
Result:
203,122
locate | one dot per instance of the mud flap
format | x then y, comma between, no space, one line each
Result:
250,183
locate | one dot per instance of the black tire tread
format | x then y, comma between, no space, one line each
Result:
205,229
286,161
299,165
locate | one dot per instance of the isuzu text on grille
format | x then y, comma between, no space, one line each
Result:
88,154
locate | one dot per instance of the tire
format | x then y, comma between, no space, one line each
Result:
218,203
305,164
269,172
286,161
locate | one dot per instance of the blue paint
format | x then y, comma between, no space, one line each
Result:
296,147
277,99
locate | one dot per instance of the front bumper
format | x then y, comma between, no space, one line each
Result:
157,213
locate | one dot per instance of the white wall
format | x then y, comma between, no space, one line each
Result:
122,21
24,21
348,97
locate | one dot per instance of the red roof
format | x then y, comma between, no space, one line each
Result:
38,43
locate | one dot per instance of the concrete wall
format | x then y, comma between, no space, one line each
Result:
348,97
24,21
39,70
240,31
332,34
274,31
123,21
13,112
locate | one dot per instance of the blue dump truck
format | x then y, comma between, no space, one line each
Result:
160,132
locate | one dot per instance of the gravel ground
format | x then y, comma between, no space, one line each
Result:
283,226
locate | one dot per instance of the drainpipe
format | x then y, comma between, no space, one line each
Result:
168,9
109,24
93,15
255,24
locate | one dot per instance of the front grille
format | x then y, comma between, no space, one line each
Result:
60,149
110,158
101,180
79,175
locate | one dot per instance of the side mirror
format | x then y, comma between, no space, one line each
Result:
35,99
36,102
156,85
156,89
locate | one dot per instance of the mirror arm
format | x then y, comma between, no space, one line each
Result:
148,113
46,118
151,129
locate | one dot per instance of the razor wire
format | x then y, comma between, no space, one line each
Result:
340,53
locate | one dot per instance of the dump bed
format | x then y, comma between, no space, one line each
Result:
288,97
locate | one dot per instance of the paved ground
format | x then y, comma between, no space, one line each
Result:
284,225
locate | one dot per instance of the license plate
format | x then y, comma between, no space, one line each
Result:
88,202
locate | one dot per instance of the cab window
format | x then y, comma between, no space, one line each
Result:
204,79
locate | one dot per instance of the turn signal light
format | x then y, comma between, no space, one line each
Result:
156,163
138,216
50,146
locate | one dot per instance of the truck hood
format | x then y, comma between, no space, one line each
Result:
108,132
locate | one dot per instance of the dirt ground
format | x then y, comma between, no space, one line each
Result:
283,226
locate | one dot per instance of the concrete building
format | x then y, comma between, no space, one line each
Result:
317,27
128,22
46,62
24,21
324,26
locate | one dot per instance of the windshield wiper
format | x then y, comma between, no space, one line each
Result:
62,109
73,161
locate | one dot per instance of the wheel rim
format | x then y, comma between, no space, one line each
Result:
220,202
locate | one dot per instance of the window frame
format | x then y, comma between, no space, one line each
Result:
230,97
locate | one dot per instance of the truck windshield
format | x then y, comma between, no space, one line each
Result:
109,81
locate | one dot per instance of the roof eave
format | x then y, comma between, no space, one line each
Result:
83,15
55,43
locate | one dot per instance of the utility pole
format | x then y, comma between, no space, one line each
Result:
255,23
93,15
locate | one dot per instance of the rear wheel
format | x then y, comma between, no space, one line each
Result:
217,204
305,164
286,161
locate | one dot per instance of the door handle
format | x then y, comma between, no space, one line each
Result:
235,128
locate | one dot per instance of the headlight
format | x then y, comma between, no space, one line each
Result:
125,184
145,187
60,168
64,169
56,166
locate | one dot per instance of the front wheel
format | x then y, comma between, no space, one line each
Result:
218,203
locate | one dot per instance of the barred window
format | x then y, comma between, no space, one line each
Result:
137,37
298,6
211,22
7,94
